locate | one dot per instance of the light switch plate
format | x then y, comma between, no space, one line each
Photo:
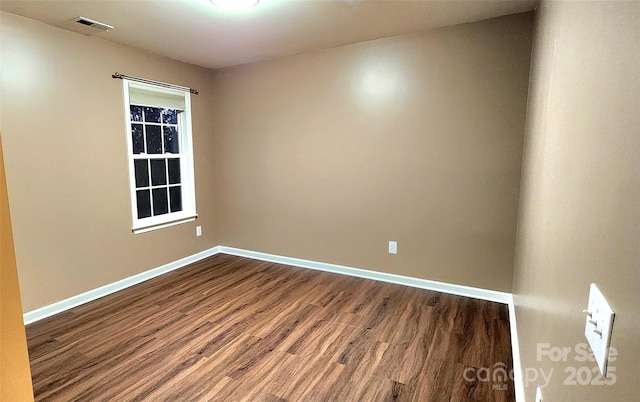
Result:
598,327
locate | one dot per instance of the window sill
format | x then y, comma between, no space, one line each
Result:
156,226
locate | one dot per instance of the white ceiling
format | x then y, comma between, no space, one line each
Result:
196,32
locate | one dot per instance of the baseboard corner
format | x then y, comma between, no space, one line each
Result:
82,298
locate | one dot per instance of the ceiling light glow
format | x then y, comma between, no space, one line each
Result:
235,4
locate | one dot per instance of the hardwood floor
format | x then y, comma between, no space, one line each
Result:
230,329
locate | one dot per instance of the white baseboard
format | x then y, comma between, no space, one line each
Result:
518,379
460,290
66,304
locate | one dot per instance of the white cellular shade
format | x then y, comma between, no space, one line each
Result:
145,97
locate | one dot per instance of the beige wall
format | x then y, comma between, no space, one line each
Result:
580,204
15,373
329,155
65,151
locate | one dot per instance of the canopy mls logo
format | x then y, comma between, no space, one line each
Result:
586,373
498,375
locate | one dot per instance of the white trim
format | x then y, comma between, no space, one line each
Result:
460,290
66,304
518,380
187,173
163,225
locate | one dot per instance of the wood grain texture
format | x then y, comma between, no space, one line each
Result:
235,329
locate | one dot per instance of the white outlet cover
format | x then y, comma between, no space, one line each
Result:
603,315
198,230
393,247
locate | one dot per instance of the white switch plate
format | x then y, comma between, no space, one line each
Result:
539,394
598,327
198,230
393,247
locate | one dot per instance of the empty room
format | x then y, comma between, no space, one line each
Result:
319,200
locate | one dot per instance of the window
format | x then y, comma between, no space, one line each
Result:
160,156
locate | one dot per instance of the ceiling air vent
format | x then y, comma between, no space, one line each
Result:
94,24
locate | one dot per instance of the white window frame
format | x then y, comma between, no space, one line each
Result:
188,213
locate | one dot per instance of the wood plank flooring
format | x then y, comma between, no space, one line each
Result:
235,329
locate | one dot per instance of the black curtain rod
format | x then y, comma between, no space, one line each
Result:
162,84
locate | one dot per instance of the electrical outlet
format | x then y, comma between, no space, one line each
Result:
539,395
198,231
393,247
